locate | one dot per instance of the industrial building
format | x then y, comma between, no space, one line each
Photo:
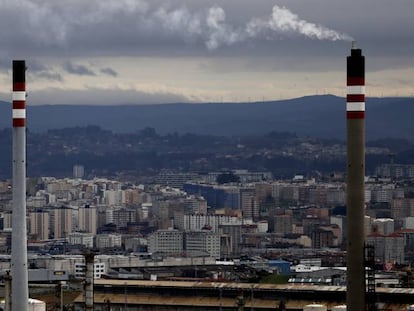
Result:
213,296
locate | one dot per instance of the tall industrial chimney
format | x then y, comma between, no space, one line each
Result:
19,274
355,116
89,281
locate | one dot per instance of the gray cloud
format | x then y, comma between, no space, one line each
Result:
79,28
126,24
47,75
77,69
5,64
109,71
38,70
83,70
95,96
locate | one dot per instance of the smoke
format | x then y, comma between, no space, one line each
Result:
95,24
219,33
284,21
214,30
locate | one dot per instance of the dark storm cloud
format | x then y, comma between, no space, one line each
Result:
82,70
77,69
248,28
109,71
37,69
128,26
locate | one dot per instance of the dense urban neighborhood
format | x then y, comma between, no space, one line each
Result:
193,215
188,207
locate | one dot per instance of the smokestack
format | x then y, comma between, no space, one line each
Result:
19,274
355,117
89,280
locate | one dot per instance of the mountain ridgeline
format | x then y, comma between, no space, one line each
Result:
304,135
314,116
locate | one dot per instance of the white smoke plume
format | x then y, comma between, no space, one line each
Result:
284,21
213,29
219,33
95,23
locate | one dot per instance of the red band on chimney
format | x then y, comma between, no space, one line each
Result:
354,98
19,122
19,104
19,86
355,81
355,114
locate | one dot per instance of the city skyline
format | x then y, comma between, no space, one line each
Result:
142,52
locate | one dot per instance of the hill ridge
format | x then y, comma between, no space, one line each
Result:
321,116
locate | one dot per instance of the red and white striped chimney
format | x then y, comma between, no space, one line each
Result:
19,94
355,98
355,196
19,268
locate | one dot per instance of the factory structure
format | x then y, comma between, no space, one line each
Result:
355,293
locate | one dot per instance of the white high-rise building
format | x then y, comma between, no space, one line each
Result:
87,219
78,171
114,197
248,203
61,222
39,224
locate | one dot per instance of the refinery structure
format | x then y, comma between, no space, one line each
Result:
196,261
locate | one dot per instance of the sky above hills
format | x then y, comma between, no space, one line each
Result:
152,51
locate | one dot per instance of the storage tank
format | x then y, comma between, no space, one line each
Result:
339,308
33,305
36,305
315,307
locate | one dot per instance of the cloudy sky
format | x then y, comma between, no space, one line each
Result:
153,51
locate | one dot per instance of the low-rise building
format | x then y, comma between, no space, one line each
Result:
98,270
80,238
166,241
202,242
108,240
